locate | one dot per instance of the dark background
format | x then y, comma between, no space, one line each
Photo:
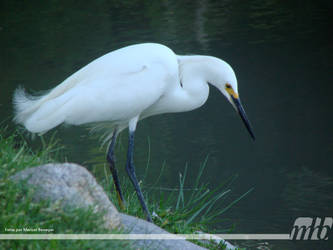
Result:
281,52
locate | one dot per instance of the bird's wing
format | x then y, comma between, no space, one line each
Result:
115,87
118,96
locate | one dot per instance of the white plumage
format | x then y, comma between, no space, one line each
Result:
135,81
124,86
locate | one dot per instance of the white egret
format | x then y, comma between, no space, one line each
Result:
125,86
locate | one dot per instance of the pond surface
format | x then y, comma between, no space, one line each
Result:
281,52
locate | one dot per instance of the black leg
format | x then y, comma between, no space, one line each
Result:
111,159
130,169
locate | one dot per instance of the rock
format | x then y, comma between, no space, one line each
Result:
135,225
72,185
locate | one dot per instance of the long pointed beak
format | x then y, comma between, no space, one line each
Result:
242,114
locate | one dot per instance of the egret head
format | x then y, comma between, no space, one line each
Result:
224,78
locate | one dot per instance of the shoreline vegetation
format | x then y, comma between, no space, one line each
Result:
174,211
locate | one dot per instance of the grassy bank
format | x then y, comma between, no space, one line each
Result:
18,211
175,211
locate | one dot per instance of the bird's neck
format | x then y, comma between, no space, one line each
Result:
190,93
194,78
197,68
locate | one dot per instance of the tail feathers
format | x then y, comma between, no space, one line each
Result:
24,105
38,114
35,113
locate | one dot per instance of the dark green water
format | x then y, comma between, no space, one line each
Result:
281,52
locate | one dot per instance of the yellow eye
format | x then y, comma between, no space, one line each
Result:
231,92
